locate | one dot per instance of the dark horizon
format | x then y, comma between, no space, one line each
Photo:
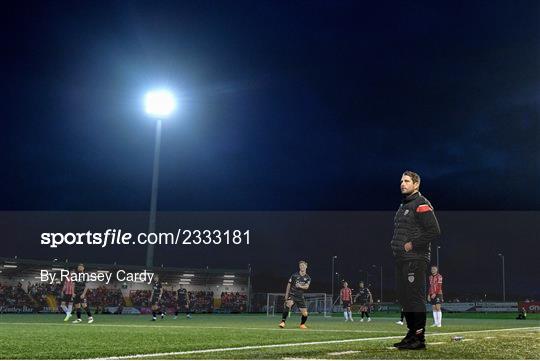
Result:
469,260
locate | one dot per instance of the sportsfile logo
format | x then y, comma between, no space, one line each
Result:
185,237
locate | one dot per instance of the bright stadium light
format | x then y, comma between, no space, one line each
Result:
159,103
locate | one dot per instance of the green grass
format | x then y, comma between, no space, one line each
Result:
46,337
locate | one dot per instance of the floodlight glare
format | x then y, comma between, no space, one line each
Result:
159,103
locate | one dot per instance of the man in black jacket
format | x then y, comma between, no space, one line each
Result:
415,228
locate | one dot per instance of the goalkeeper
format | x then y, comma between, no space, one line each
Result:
294,294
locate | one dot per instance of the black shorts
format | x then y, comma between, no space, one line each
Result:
299,301
155,301
182,307
437,300
67,298
346,304
78,299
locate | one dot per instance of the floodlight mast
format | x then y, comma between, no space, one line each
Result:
159,104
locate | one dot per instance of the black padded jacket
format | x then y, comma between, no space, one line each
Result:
414,222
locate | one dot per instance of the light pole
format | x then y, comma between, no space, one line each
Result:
381,283
438,248
503,278
367,277
159,104
333,276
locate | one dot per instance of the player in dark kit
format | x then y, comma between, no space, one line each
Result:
155,298
415,228
79,296
366,299
182,303
294,295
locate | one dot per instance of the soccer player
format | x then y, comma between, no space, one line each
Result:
294,294
346,299
435,295
366,299
182,303
401,317
415,228
522,315
155,298
67,298
79,297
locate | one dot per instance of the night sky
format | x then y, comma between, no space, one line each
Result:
307,105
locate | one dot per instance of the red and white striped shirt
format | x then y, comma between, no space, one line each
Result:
346,294
68,288
435,284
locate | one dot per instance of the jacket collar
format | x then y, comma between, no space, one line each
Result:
411,197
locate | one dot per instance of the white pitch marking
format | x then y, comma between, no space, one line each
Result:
342,353
243,348
436,343
256,347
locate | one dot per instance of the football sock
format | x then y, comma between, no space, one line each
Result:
304,319
88,313
70,308
64,308
367,314
439,317
346,314
153,314
435,317
284,315
78,313
350,315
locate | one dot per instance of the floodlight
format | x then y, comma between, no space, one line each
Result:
159,103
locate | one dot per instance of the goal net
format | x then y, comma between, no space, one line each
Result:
315,303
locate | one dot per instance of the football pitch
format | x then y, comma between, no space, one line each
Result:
28,336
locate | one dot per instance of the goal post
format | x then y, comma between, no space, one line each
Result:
315,303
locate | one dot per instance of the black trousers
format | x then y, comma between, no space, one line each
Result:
411,287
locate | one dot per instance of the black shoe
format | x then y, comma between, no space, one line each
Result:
408,338
415,344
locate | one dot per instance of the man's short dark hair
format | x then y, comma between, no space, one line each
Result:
304,262
414,176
